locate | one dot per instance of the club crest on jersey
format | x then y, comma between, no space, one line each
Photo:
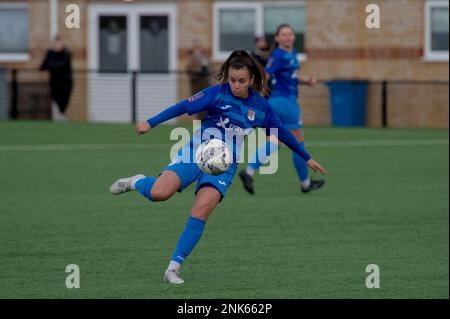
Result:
196,96
251,115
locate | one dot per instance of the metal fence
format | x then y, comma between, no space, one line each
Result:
133,96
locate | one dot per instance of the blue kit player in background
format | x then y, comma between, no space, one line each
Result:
283,69
236,107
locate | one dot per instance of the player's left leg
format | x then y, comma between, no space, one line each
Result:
306,183
260,157
210,190
206,200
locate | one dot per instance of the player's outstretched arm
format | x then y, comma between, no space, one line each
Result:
290,141
195,104
310,81
316,167
285,136
142,128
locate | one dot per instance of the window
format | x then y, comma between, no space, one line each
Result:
154,36
237,29
113,43
293,15
236,24
436,31
14,27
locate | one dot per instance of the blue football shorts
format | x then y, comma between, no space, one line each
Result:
189,172
288,110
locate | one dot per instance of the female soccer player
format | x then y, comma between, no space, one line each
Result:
283,68
232,108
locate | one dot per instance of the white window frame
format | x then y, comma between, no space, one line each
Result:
19,56
429,55
133,13
259,18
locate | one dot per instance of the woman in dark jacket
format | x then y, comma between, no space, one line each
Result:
58,62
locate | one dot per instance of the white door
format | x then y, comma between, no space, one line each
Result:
126,38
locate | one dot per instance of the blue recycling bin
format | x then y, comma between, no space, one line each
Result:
348,102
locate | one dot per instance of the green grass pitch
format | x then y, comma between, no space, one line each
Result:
383,204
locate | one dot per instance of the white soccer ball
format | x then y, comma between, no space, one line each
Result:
213,157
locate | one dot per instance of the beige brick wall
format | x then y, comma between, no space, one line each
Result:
344,48
341,24
375,70
332,23
338,46
39,42
77,109
194,26
374,105
401,24
418,105
38,36
38,32
77,40
400,39
316,111
314,103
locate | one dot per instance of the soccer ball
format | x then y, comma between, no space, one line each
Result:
213,157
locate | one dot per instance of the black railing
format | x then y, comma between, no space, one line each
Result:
384,118
423,85
133,96
14,95
29,92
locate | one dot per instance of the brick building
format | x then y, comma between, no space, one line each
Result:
155,36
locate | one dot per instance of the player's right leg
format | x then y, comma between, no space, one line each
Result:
155,189
160,189
125,184
174,177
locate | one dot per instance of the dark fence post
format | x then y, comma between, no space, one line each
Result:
384,104
133,96
14,95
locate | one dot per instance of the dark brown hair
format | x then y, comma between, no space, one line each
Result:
275,44
239,59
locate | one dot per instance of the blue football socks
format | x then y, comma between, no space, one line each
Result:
300,165
144,186
188,239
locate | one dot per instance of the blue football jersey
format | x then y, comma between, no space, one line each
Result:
283,68
230,118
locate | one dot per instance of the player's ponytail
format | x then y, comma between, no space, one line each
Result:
239,59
